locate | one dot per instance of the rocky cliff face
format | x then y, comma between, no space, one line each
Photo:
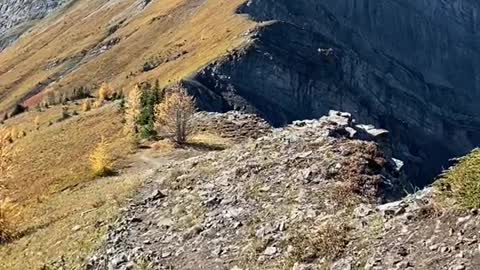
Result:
17,16
408,66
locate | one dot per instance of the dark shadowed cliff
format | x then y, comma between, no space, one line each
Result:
408,66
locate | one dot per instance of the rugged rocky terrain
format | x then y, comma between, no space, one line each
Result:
265,191
314,195
408,66
248,206
17,16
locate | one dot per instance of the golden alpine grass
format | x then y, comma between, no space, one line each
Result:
9,220
9,211
460,185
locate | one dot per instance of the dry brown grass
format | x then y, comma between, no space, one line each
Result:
359,174
9,220
210,141
6,155
162,146
52,182
69,224
328,241
56,157
86,105
105,92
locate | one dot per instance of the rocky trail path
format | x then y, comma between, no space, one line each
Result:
237,208
280,202
141,237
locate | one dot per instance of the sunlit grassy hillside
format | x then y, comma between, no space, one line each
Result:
64,208
56,156
52,184
93,41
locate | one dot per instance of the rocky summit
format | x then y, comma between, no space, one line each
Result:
256,205
406,66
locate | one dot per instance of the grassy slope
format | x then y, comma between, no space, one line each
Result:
202,29
51,179
69,224
56,157
52,182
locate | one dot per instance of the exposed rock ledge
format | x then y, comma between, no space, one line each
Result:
238,207
17,16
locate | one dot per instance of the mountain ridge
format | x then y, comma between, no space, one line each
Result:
341,60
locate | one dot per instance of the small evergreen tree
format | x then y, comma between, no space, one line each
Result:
151,96
19,108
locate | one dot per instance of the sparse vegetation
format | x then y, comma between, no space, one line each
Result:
9,220
18,109
86,105
105,92
460,185
52,183
9,211
6,153
36,123
174,116
209,141
79,93
65,113
329,240
101,161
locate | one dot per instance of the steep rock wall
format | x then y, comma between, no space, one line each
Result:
17,16
407,66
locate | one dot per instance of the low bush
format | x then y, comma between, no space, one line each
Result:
87,105
101,161
328,241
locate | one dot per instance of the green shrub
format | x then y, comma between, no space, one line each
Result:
460,185
18,109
